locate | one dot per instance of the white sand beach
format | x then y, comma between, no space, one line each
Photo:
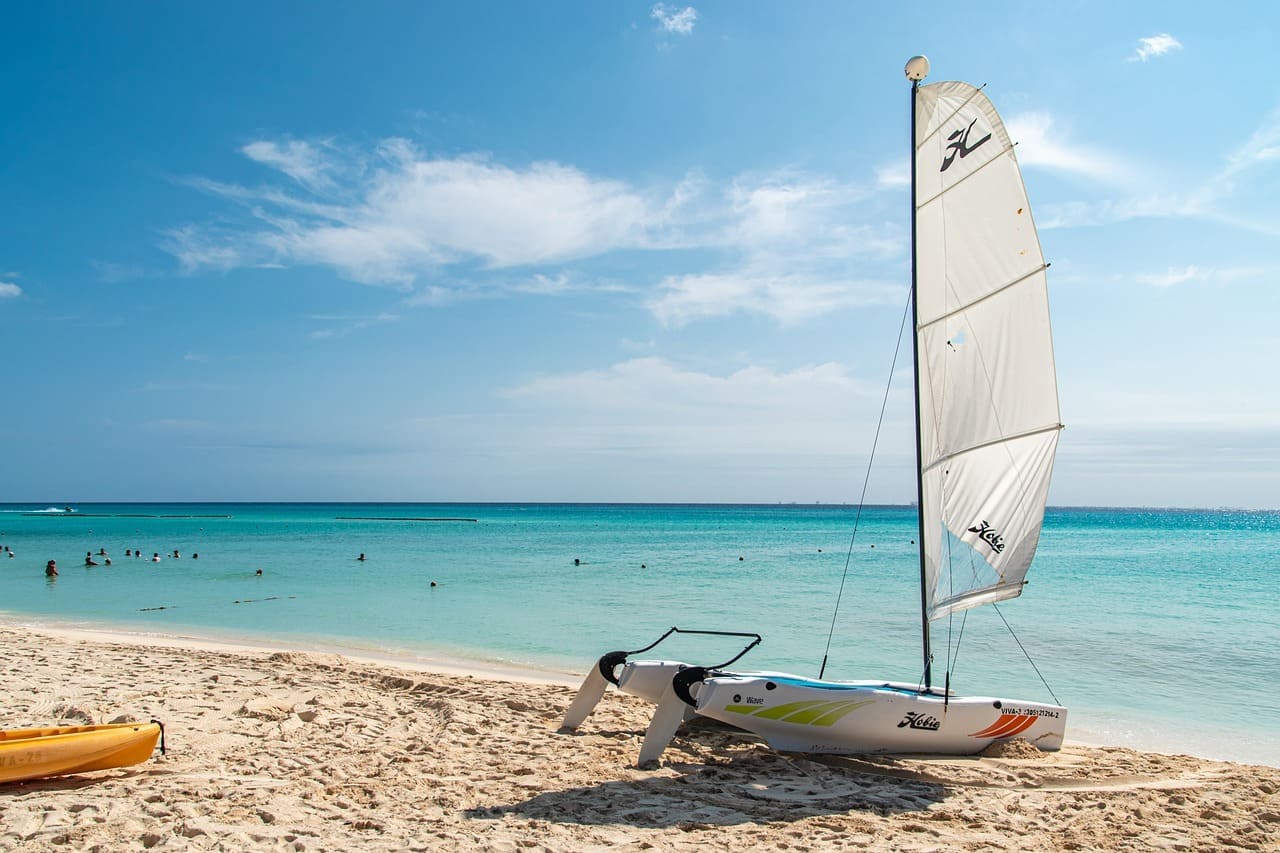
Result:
289,750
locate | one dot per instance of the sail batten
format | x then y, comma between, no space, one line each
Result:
989,418
926,323
976,91
942,193
945,459
977,598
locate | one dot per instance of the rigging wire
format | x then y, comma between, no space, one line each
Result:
1024,652
955,659
953,652
866,480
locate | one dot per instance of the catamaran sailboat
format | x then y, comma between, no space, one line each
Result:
987,425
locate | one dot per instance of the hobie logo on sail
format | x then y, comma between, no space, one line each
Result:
960,145
989,534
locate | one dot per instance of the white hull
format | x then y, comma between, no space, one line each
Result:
796,714
865,717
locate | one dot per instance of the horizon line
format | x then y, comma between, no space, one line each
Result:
806,504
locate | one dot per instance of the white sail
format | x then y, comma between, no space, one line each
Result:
989,417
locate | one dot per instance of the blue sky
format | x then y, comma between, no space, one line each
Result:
606,251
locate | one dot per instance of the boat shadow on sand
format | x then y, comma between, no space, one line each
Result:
716,776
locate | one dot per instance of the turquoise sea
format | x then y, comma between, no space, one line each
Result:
1158,629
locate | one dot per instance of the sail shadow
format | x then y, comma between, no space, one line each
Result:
758,786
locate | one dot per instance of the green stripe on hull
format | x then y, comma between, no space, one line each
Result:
834,716
783,711
811,713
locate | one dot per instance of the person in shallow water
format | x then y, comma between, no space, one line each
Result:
51,569
88,559
360,558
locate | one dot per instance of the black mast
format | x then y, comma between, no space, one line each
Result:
915,354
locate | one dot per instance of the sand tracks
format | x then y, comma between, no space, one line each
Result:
293,751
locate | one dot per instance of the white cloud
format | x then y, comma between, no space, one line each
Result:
647,384
9,290
544,284
351,326
435,296
894,175
416,213
1157,45
195,356
112,273
637,425
1261,148
673,19
1040,144
651,403
444,229
789,298
638,346
1250,208
779,207
1218,275
794,240
1080,214
749,431
306,163
197,249
1172,276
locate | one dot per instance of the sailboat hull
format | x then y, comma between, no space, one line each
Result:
807,715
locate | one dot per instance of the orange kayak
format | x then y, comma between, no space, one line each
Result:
58,751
